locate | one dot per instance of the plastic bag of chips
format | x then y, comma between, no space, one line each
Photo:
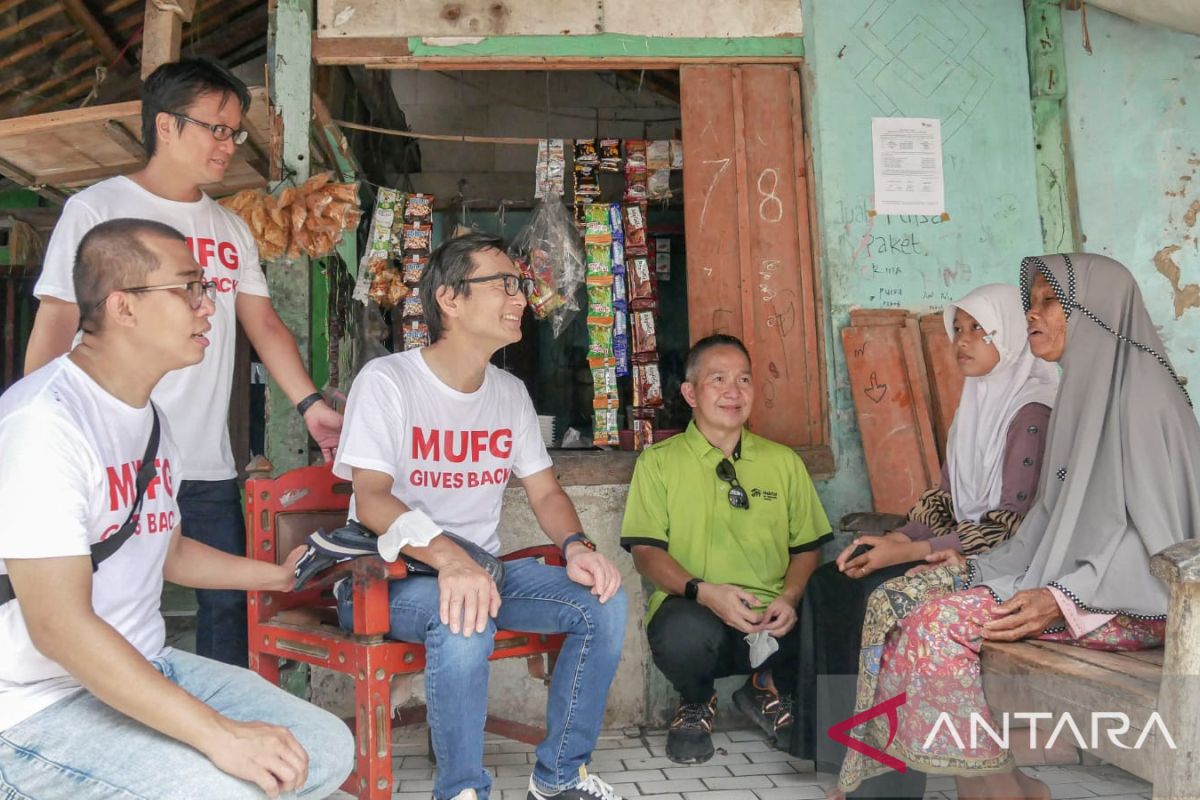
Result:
550,245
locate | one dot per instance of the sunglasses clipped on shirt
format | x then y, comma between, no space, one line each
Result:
737,495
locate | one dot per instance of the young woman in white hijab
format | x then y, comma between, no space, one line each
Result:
993,461
1122,482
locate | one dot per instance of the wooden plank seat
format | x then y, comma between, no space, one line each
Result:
302,626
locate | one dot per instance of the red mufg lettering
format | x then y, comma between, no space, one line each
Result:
460,446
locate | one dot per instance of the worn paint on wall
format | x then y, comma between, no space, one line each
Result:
1135,131
963,61
682,18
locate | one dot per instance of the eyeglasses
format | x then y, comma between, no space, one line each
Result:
512,283
196,291
222,133
737,495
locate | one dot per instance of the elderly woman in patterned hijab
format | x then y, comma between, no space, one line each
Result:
1121,482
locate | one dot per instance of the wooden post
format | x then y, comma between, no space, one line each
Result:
1057,200
289,60
162,31
1177,772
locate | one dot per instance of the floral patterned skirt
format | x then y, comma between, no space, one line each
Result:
922,636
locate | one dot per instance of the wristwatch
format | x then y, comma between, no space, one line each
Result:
580,537
692,590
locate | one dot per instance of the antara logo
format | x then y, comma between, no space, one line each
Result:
841,732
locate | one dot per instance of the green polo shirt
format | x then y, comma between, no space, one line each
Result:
677,502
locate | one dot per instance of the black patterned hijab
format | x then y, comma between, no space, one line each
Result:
1121,475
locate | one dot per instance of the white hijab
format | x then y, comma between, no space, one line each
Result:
979,433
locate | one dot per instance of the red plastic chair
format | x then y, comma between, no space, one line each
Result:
302,626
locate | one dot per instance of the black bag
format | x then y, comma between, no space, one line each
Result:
355,540
103,549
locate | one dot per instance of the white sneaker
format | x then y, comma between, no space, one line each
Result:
590,787
466,794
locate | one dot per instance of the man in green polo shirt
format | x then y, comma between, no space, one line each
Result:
728,527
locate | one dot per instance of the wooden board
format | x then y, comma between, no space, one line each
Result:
945,379
750,270
891,402
1062,679
69,150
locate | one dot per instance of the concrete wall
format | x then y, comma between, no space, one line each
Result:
514,104
1134,118
964,62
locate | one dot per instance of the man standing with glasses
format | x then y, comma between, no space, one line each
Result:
728,527
432,436
191,122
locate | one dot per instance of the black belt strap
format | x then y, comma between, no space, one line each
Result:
103,549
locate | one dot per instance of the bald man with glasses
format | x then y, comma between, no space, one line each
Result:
728,528
191,123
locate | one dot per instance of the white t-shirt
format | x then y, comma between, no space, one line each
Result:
449,453
67,480
196,398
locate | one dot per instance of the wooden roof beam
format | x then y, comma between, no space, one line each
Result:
162,32
83,17
23,178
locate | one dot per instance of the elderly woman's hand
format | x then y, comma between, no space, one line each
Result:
1027,613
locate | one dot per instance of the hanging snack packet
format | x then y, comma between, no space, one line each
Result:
658,185
586,152
621,342
587,186
647,383
658,154
599,259
418,208
551,168
416,334
413,266
637,190
610,155
600,337
600,297
412,304
635,229
417,237
605,433
641,281
635,154
676,154
645,338
543,300
643,432
596,226
604,382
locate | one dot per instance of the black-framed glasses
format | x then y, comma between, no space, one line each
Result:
196,290
512,283
222,133
737,495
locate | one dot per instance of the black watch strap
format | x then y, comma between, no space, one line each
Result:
308,402
580,537
692,590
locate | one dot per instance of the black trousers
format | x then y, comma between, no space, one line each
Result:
693,647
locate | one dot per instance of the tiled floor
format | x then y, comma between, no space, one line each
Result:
744,768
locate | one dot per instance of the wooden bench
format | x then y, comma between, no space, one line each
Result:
1034,676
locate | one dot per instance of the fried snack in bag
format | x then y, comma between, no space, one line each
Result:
610,155
551,246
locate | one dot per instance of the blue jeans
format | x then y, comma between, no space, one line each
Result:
82,749
211,513
535,598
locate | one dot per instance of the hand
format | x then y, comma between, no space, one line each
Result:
1027,613
779,617
733,604
324,426
588,568
884,552
266,755
938,558
287,571
467,595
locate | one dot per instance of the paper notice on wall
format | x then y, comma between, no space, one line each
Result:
908,166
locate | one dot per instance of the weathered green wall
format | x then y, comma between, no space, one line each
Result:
1134,112
963,61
